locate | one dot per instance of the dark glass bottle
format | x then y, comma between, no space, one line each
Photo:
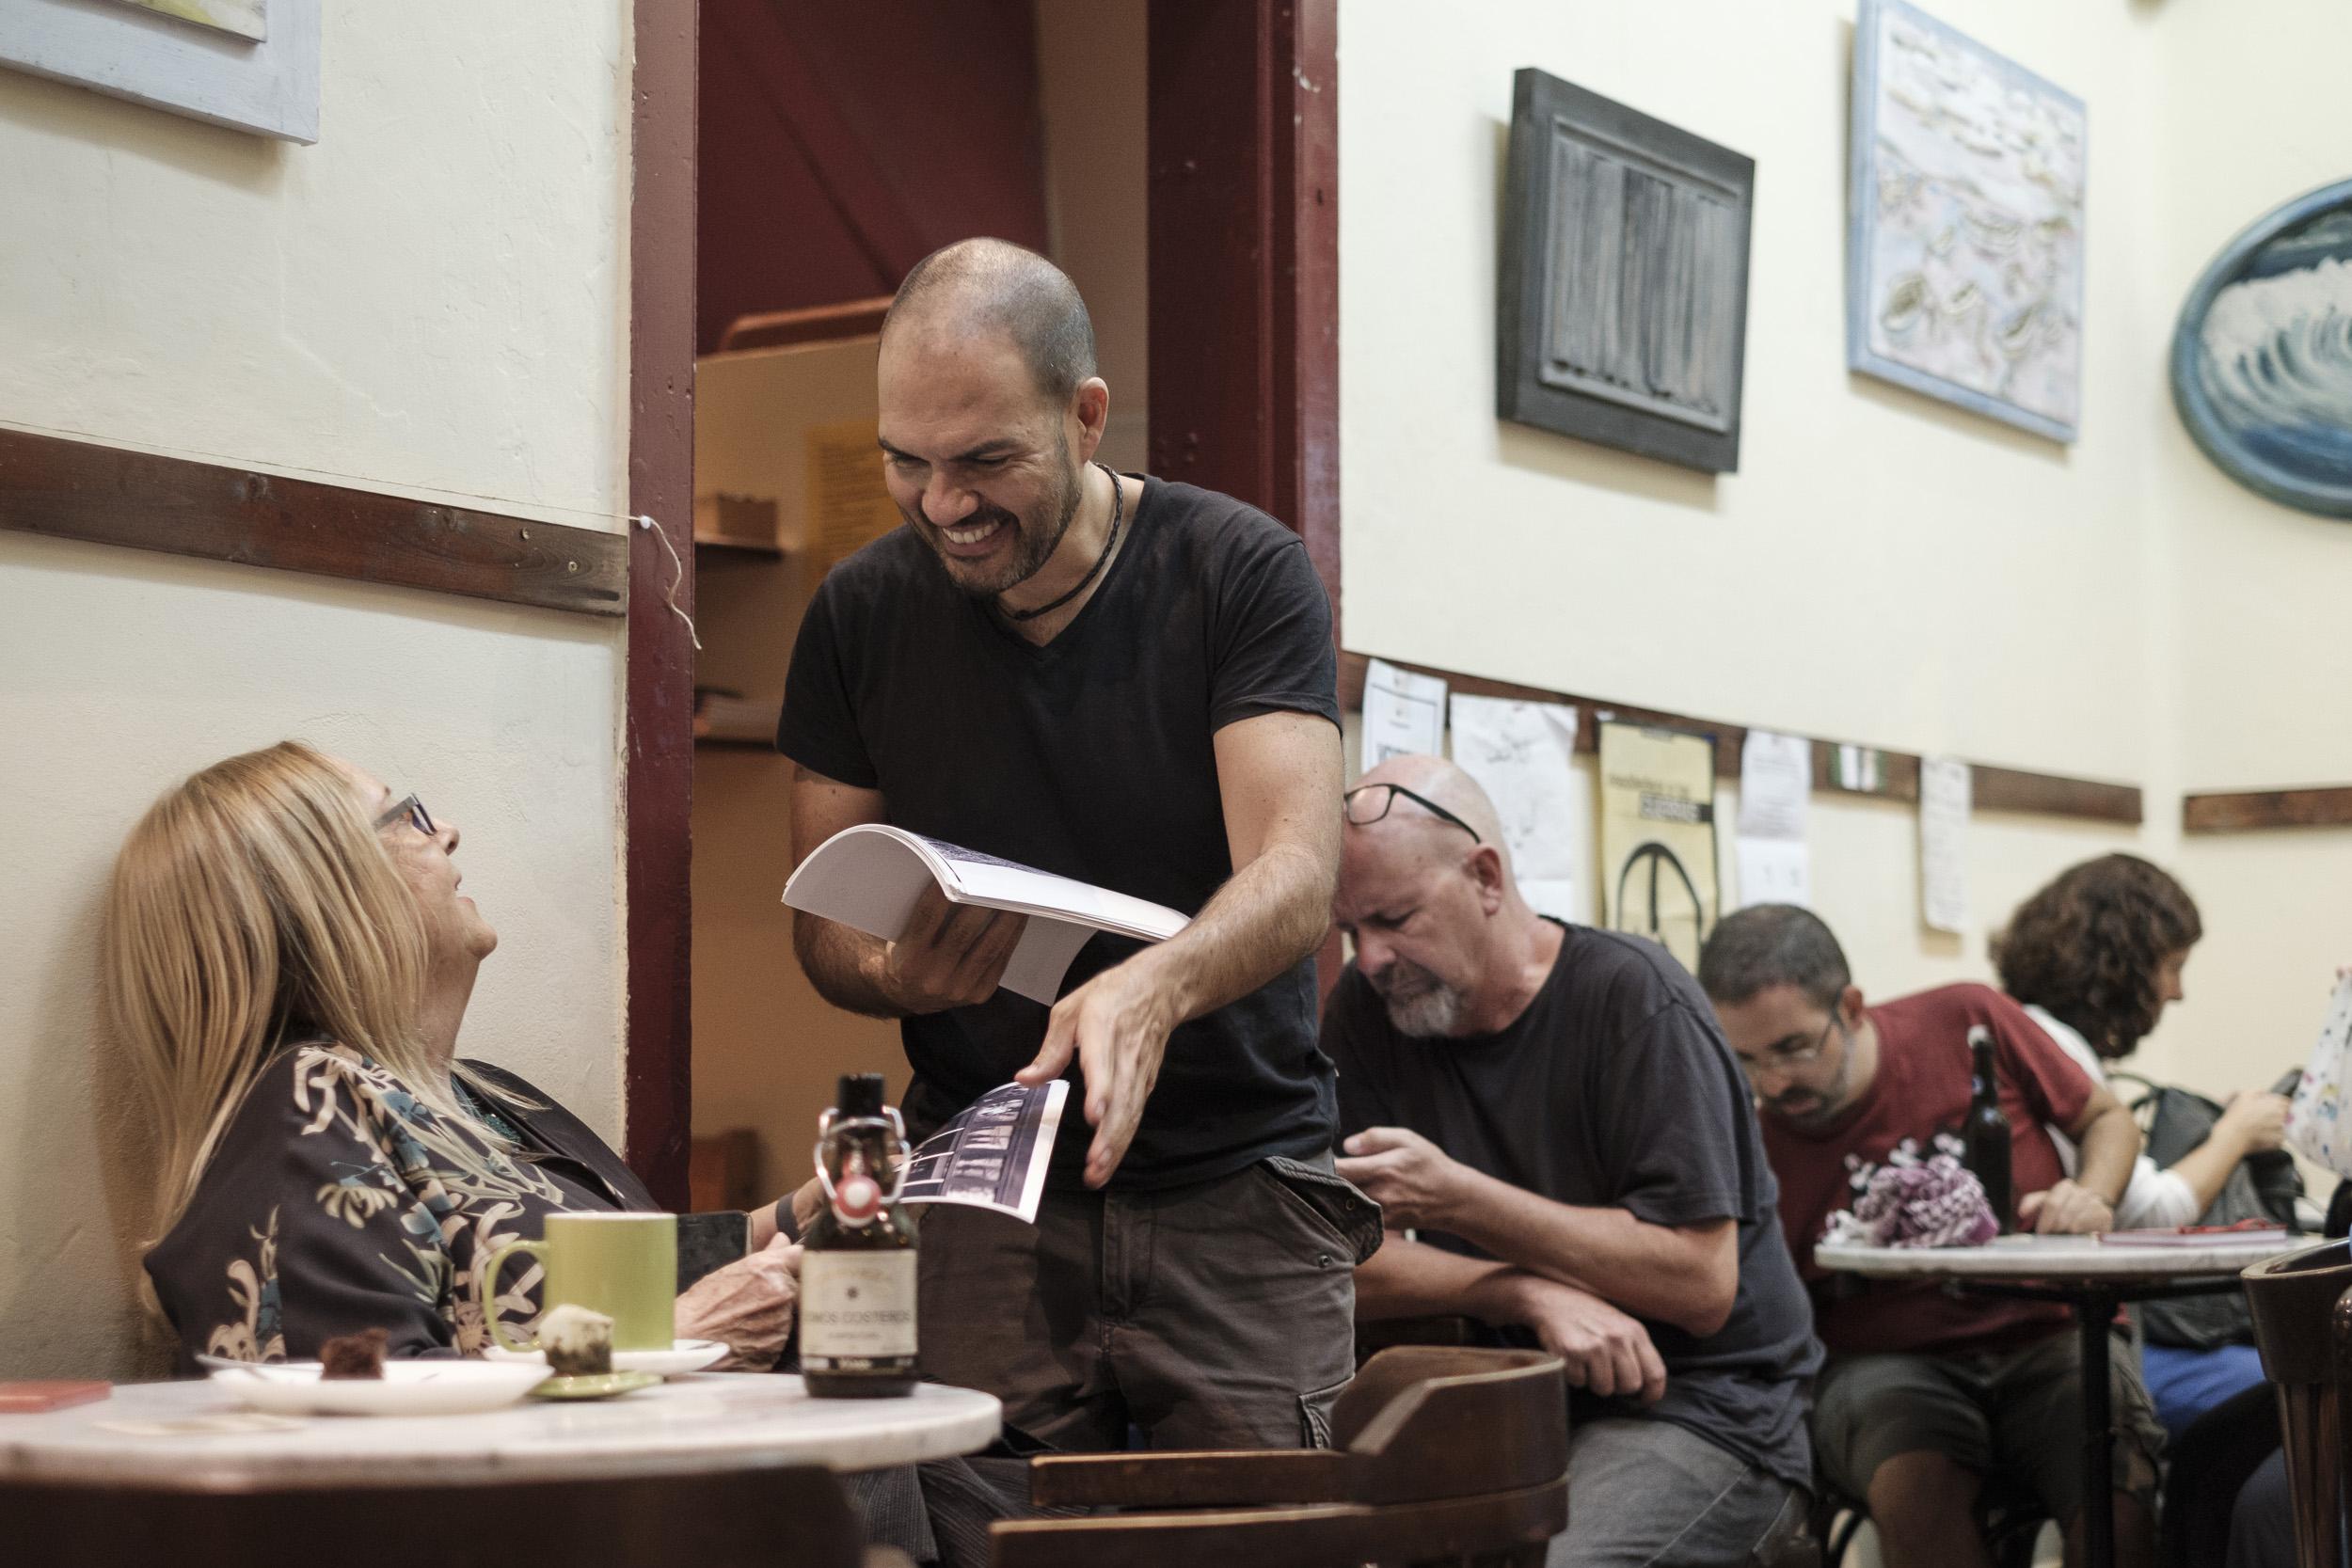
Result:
857,1274
1984,1136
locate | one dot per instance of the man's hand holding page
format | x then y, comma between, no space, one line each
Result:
1117,1025
951,954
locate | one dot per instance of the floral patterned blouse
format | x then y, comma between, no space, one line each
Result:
336,1201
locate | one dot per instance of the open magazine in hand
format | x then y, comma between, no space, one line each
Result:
993,1154
869,876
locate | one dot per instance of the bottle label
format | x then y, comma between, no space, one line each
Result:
857,1305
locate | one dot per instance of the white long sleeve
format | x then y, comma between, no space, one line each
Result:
2152,1199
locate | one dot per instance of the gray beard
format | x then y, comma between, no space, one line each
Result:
1435,1013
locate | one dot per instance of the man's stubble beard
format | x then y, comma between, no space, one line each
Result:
1033,548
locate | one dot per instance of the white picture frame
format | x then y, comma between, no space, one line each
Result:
268,85
1964,271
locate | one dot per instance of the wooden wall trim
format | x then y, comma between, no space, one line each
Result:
657,768
69,489
2249,810
1895,777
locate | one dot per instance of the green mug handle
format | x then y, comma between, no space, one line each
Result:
489,1278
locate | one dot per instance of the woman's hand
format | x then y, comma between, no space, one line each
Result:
746,1307
2258,1120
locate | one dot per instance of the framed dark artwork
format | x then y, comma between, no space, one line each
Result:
1965,224
2261,359
1623,291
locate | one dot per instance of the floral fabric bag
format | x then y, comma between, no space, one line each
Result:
2315,1121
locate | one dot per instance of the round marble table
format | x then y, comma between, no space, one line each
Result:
691,1424
2091,1277
2068,1260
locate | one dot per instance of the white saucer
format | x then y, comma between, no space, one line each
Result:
684,1356
407,1388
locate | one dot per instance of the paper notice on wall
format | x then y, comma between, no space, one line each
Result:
1404,714
1775,797
1860,769
1944,793
1774,871
1523,755
848,507
1775,785
1657,836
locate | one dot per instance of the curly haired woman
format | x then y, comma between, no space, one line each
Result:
2095,957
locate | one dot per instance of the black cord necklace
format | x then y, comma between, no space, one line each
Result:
1119,509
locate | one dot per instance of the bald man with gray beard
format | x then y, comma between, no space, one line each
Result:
1554,1113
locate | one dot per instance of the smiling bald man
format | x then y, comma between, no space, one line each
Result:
1130,682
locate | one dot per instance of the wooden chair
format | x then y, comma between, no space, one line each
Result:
732,1519
2302,1305
1441,1454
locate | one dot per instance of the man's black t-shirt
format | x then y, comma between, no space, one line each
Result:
1614,1089
1092,757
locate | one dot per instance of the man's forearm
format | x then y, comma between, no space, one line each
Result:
1270,914
1661,1273
1412,1279
845,965
2109,1146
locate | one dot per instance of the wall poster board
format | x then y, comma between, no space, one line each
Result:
1657,836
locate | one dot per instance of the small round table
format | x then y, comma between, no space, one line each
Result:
713,1421
2092,1277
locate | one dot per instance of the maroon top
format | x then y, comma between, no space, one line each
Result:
1913,1109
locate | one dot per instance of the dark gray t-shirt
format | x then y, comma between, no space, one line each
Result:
1614,1089
1093,757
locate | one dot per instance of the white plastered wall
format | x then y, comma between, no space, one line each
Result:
1884,567
2261,667
432,301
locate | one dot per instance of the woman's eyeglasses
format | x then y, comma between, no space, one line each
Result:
413,809
1368,803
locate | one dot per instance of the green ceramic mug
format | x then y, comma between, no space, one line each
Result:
623,1265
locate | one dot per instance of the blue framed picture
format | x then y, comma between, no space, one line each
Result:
1965,224
2261,359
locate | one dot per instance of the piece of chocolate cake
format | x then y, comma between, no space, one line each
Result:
354,1355
577,1343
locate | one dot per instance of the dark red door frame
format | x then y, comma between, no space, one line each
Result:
1243,130
657,766
1243,160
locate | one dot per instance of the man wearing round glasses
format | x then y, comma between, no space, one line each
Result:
1925,1393
1551,1110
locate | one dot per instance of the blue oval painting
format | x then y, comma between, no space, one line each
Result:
2262,361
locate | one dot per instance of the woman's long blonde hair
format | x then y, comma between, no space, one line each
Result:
253,907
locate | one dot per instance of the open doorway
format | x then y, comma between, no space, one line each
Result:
839,144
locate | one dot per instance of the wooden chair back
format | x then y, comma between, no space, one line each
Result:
1444,1453
734,1519
2303,1309
1447,1421
1494,1529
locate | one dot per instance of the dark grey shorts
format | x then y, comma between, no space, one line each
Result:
1212,1316
2014,1415
1643,1492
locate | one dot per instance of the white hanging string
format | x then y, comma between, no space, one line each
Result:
677,577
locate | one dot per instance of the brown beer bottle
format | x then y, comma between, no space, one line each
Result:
1985,1135
857,1270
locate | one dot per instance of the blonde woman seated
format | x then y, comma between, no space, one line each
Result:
287,960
